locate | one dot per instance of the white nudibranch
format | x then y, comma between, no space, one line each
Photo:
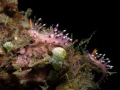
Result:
58,57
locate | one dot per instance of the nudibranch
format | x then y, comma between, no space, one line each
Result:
50,37
100,61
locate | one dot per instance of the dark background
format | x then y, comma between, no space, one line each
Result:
82,19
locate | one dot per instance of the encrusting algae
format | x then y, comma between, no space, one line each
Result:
35,57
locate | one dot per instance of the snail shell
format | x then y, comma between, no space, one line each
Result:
58,57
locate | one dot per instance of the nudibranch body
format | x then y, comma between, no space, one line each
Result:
50,37
100,61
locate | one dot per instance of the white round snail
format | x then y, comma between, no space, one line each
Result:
58,56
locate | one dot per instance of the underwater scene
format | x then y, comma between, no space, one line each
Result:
36,57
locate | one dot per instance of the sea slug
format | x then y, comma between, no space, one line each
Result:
100,61
50,37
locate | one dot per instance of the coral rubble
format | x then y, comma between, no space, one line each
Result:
42,59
